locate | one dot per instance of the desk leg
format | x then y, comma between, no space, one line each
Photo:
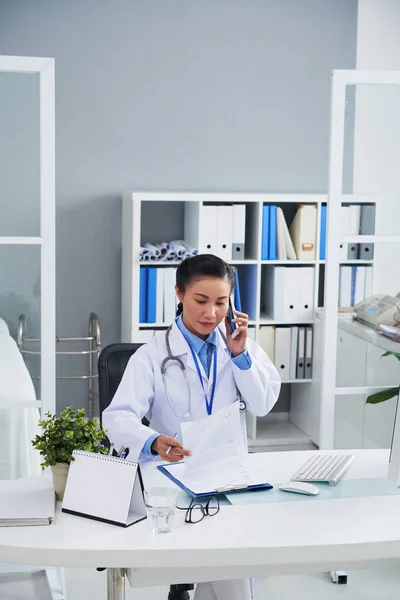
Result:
115,584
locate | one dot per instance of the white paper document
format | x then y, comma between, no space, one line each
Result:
27,501
219,460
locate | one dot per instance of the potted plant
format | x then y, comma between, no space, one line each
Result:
60,436
387,393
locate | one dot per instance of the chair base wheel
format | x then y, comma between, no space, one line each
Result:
180,591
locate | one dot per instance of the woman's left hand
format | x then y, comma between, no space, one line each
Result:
238,345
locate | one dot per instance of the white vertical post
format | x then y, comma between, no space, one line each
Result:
340,79
328,376
47,231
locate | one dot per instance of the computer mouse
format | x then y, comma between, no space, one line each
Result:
299,487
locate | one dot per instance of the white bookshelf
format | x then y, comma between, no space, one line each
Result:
279,428
303,418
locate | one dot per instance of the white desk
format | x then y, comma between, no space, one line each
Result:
241,541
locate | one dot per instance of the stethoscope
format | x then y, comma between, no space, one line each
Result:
178,361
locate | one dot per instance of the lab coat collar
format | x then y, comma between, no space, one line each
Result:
179,347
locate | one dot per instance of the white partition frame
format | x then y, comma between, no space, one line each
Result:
44,67
340,79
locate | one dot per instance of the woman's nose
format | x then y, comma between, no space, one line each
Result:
211,312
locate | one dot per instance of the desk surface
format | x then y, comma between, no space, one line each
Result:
347,323
241,541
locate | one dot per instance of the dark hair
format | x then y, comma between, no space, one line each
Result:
202,264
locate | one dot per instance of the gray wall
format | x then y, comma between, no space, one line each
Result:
174,95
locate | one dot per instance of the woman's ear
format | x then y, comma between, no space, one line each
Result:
178,293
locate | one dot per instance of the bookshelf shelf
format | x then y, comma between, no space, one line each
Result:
273,430
290,262
266,320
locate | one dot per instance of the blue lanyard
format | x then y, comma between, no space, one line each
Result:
209,403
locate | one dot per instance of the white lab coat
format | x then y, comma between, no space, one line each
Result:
141,392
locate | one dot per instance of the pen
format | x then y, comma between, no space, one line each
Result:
111,449
120,451
170,447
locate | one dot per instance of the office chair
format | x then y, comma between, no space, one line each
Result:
111,366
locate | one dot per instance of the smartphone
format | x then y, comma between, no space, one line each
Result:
231,315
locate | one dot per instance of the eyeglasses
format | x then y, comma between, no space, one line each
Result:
197,511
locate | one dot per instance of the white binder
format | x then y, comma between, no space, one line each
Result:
208,230
104,488
344,286
284,244
368,282
344,230
281,253
282,293
169,294
266,339
303,231
306,293
251,333
282,352
238,231
160,295
355,214
360,284
224,232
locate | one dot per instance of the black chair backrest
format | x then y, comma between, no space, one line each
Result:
111,366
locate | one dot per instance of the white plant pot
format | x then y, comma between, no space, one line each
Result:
60,474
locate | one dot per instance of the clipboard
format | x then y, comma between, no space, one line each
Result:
104,488
219,491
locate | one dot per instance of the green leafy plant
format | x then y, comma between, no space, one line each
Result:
384,395
70,431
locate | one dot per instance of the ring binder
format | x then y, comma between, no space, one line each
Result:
89,494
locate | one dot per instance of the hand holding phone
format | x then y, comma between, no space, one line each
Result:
231,315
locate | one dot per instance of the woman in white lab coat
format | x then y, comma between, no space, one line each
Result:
217,367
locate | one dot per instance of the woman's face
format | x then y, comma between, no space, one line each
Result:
205,303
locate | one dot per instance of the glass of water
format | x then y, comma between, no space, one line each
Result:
160,507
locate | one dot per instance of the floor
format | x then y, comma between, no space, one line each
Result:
379,584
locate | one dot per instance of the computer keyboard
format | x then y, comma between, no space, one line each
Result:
324,467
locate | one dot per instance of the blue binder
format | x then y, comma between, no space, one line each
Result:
272,233
353,285
238,301
250,488
151,294
322,241
265,233
143,295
